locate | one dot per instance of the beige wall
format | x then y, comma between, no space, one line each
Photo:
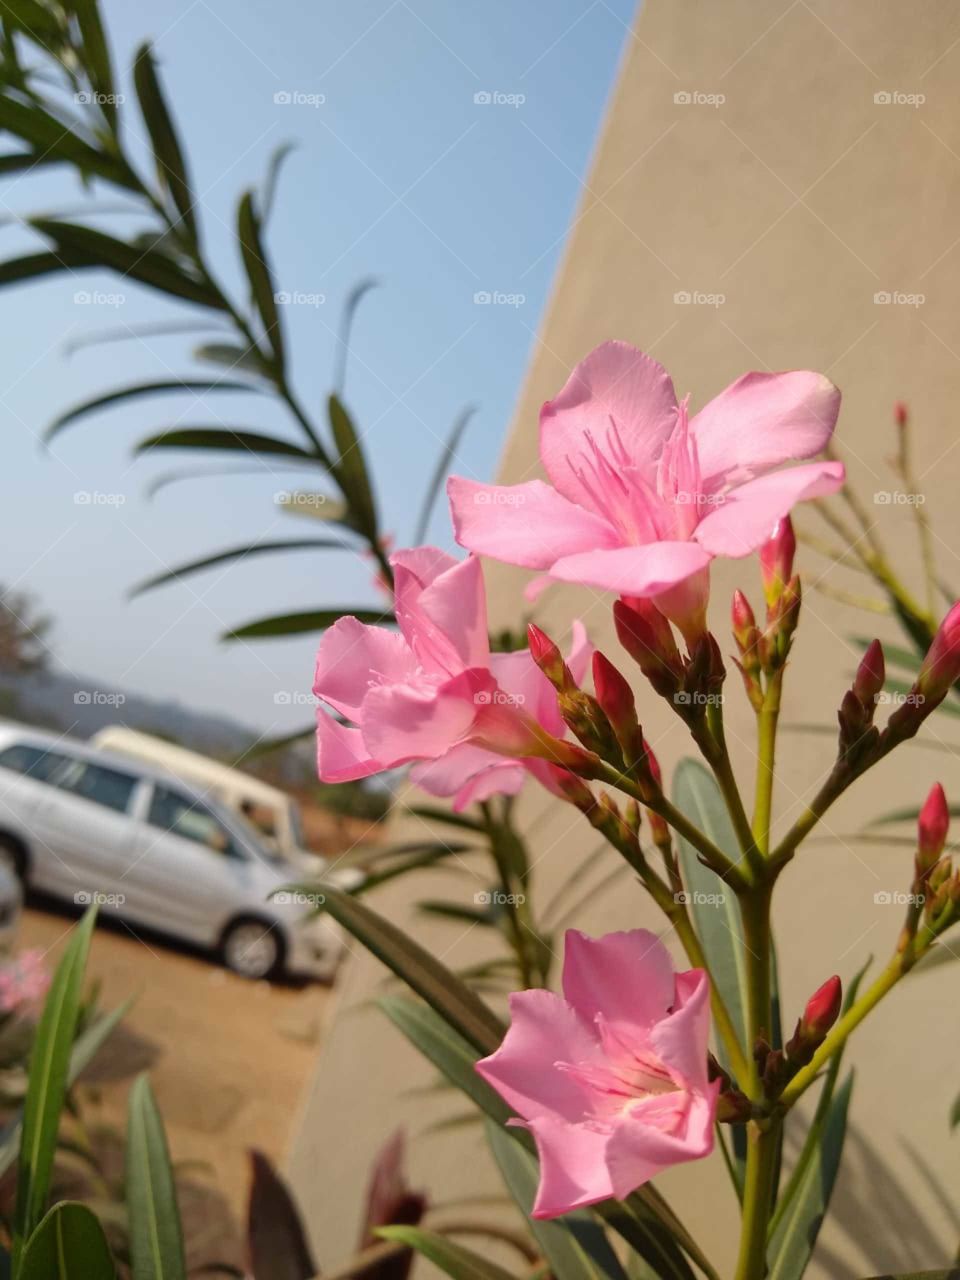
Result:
798,198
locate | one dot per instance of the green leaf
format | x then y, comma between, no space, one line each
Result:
440,471
50,138
481,916
147,266
575,1245
68,1244
714,908
794,1236
952,1273
429,856
294,624
274,165
198,386
133,333
258,273
224,439
96,54
235,553
351,468
347,316
454,1259
34,265
648,1237
156,1239
955,1114
47,1087
167,152
433,813
441,989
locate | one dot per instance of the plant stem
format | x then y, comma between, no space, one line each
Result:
762,1154
767,718
713,745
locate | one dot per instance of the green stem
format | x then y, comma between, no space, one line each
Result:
762,1154
767,719
713,745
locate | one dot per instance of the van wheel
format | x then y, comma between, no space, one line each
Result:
253,949
13,856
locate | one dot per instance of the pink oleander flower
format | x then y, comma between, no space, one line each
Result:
611,1077
640,499
433,692
23,983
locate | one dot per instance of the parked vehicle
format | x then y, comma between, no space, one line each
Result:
89,826
271,811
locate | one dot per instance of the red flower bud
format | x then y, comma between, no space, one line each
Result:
568,786
901,414
940,669
614,695
822,1011
776,559
743,617
932,827
548,658
871,674
647,636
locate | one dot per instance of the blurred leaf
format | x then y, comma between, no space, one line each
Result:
195,385
33,265
357,293
17,162
482,916
167,478
169,328
235,553
167,152
390,1200
68,1244
274,165
905,688
454,1259
955,1113
54,140
443,991
223,438
292,624
433,813
96,54
429,856
46,1091
351,468
440,471
316,506
795,1234
156,1239
952,1273
258,273
909,813
276,1242
37,20
231,356
147,266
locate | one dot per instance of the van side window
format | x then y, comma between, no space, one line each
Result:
171,811
33,762
108,787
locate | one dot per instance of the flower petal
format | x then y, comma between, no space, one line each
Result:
634,571
527,524
543,1030
617,398
573,1166
444,618
680,1039
761,421
500,780
341,753
748,513
638,1149
350,653
627,977
420,721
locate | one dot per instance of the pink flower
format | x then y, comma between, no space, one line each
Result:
610,1078
433,692
23,983
640,500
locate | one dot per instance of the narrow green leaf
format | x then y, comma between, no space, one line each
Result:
347,317
235,553
274,165
68,1244
231,355
47,1087
96,55
441,989
167,152
433,813
458,912
156,1239
428,857
454,1259
224,439
197,386
351,467
955,1113
34,265
575,1245
133,333
648,1237
50,138
791,1244
293,624
258,273
145,265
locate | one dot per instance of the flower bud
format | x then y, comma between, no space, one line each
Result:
549,658
646,635
616,701
901,414
940,669
822,1011
776,560
932,826
744,621
870,676
568,786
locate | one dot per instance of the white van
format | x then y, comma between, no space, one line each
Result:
271,811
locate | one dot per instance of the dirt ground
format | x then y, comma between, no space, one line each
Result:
228,1059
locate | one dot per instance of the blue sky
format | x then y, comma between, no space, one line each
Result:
398,174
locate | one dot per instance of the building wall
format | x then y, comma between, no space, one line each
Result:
746,157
